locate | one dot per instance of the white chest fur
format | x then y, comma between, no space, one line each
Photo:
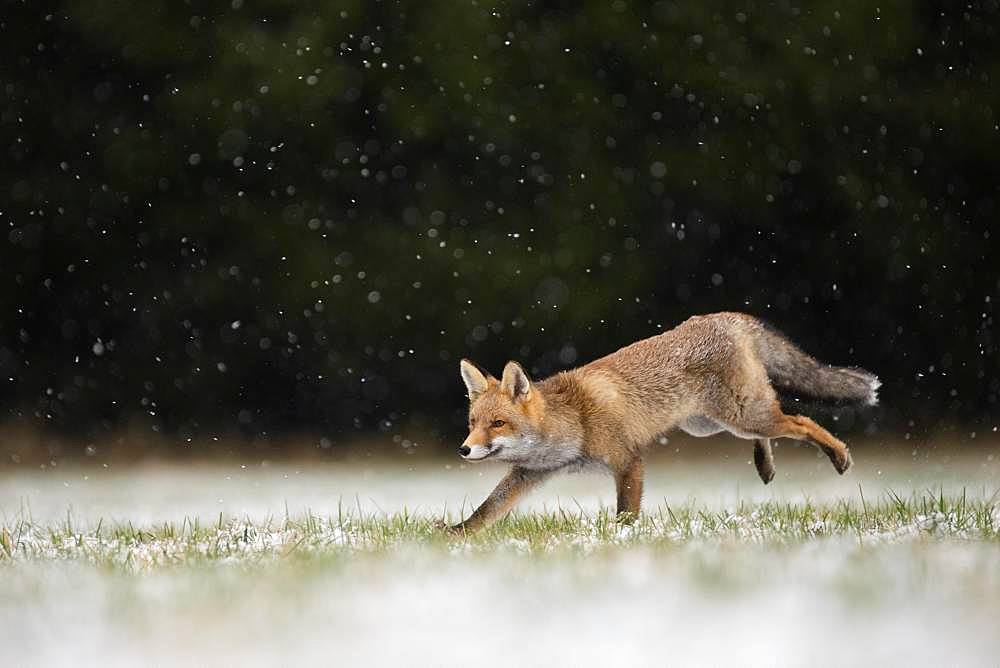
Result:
536,453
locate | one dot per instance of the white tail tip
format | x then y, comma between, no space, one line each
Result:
873,386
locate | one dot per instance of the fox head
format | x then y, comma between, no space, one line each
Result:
504,416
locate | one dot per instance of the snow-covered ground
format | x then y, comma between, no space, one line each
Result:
830,603
912,597
146,495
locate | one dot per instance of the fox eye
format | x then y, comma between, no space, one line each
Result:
497,424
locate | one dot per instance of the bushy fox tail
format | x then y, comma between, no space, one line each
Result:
792,372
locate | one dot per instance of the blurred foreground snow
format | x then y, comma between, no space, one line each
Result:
912,599
830,603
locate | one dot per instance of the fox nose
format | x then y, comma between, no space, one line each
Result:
464,450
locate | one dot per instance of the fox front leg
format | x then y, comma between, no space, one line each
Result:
502,498
628,481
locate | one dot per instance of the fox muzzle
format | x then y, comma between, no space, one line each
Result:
475,451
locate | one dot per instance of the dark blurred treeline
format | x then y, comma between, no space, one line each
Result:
266,217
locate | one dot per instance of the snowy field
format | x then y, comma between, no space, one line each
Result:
896,563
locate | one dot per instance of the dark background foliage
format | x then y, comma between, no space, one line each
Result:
266,217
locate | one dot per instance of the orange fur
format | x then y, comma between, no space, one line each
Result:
709,374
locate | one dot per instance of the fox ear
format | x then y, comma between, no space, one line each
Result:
515,383
476,382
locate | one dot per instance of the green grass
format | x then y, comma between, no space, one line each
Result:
899,560
891,518
897,575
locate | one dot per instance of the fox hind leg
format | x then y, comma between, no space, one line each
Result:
765,420
831,446
763,459
802,428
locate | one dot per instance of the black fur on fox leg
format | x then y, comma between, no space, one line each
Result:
763,459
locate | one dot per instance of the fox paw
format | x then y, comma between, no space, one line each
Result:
841,460
766,474
764,464
450,529
626,517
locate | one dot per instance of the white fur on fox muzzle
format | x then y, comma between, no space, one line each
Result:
476,452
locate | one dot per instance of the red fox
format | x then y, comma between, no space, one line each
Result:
711,373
